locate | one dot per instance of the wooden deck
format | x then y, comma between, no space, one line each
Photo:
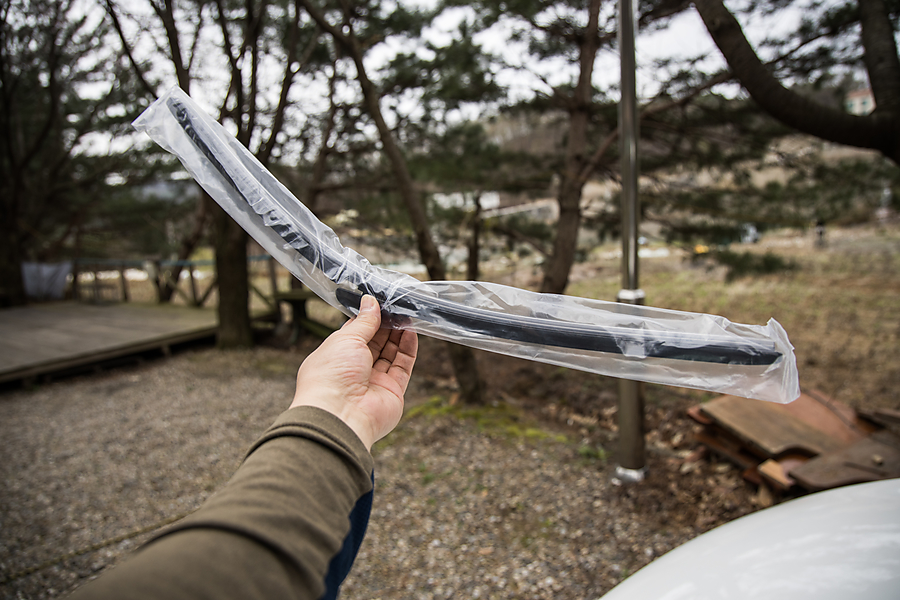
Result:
47,338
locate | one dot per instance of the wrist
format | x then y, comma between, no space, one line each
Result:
350,417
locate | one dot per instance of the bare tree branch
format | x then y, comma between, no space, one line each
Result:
879,131
166,14
265,152
117,25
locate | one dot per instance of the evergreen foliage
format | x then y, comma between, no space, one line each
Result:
66,101
333,96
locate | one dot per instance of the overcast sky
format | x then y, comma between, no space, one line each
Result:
685,36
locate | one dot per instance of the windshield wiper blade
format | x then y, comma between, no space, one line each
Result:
403,307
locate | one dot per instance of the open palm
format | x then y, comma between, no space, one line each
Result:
360,374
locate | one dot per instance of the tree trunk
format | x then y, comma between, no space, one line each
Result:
558,267
188,243
881,58
471,386
556,271
320,166
474,242
12,286
465,369
428,251
462,358
231,273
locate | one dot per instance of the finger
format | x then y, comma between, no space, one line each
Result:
390,346
388,351
405,359
378,342
409,345
367,322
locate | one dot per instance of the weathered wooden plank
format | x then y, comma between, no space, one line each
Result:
771,430
870,459
40,339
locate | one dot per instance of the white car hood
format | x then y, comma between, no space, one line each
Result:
839,544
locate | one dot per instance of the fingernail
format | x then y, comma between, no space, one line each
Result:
367,304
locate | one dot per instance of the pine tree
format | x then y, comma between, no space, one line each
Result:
64,95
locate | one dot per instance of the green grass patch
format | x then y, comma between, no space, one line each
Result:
591,453
497,419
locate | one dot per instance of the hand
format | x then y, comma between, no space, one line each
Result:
360,374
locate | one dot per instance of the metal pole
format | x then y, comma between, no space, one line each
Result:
631,466
628,140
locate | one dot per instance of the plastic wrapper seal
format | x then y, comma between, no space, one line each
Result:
654,345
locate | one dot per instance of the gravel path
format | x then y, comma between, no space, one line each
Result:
501,502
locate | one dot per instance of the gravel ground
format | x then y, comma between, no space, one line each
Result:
513,500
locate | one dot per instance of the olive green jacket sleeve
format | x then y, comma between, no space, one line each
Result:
287,525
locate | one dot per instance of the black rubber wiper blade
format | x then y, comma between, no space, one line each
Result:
649,344
531,330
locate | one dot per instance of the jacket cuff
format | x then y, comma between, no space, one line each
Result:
321,426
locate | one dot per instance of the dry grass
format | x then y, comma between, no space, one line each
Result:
840,305
512,500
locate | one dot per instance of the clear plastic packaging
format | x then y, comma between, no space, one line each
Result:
635,342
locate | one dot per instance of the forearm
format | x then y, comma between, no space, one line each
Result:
274,531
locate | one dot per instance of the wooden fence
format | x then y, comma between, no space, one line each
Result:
91,280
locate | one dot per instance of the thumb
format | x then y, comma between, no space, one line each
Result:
368,321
